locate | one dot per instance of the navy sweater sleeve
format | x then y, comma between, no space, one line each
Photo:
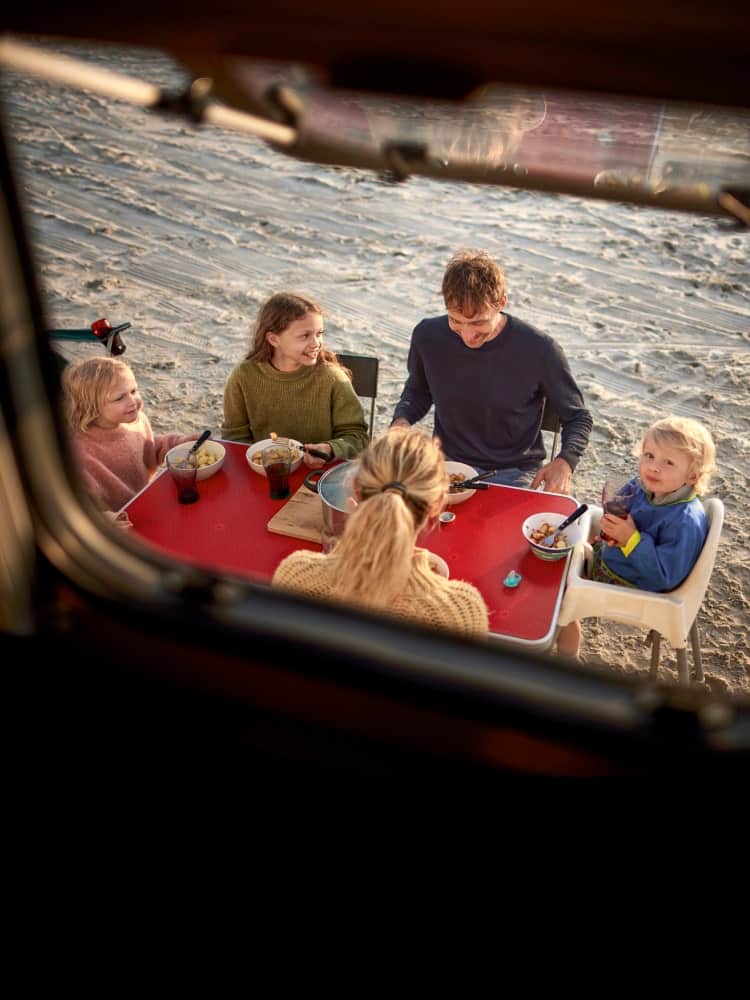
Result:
416,398
565,396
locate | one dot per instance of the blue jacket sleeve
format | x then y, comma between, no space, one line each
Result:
665,565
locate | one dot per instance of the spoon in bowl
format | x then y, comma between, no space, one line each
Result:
549,541
204,437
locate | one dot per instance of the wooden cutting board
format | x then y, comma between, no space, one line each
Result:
301,516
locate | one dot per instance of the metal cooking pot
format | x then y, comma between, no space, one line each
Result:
335,487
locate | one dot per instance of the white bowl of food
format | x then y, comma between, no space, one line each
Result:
209,457
536,527
458,472
253,453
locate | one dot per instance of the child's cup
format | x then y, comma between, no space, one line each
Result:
184,475
617,497
277,463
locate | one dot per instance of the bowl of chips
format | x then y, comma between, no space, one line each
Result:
209,458
537,527
254,452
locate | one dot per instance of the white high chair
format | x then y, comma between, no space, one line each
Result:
671,615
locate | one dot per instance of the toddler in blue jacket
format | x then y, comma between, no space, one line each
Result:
657,544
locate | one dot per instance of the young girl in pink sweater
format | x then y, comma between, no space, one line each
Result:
112,436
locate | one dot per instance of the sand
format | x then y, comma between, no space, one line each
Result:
183,232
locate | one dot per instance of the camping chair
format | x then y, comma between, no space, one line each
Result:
551,422
672,615
364,378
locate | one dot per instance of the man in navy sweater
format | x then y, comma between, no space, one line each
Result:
488,375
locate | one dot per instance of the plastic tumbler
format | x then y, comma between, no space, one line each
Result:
184,475
617,497
277,462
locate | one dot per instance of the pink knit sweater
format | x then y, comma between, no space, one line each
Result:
117,463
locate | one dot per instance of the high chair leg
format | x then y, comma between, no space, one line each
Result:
695,642
682,667
653,639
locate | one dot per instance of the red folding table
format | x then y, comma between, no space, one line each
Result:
226,530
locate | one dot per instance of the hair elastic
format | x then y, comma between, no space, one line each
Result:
394,486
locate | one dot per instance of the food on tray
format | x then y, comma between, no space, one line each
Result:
456,479
544,531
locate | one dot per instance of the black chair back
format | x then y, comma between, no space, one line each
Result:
364,371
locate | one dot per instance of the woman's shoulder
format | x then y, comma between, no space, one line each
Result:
469,606
465,602
465,591
297,566
463,606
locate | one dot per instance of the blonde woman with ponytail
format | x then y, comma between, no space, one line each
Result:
400,486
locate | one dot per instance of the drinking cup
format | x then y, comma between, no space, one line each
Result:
184,473
277,463
617,497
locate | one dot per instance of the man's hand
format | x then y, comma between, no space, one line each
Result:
400,422
557,477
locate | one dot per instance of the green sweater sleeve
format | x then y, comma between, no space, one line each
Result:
236,424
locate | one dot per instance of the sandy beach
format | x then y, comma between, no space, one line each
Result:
184,231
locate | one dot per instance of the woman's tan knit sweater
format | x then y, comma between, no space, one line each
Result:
428,598
311,405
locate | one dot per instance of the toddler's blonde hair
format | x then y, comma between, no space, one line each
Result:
85,387
689,436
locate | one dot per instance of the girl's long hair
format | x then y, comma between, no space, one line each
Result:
401,477
85,387
275,316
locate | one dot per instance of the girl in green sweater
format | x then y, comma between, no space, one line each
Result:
291,385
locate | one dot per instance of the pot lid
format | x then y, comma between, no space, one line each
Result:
336,486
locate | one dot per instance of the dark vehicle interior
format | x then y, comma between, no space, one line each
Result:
212,669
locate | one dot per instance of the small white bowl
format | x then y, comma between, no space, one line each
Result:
211,447
255,449
573,535
458,468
